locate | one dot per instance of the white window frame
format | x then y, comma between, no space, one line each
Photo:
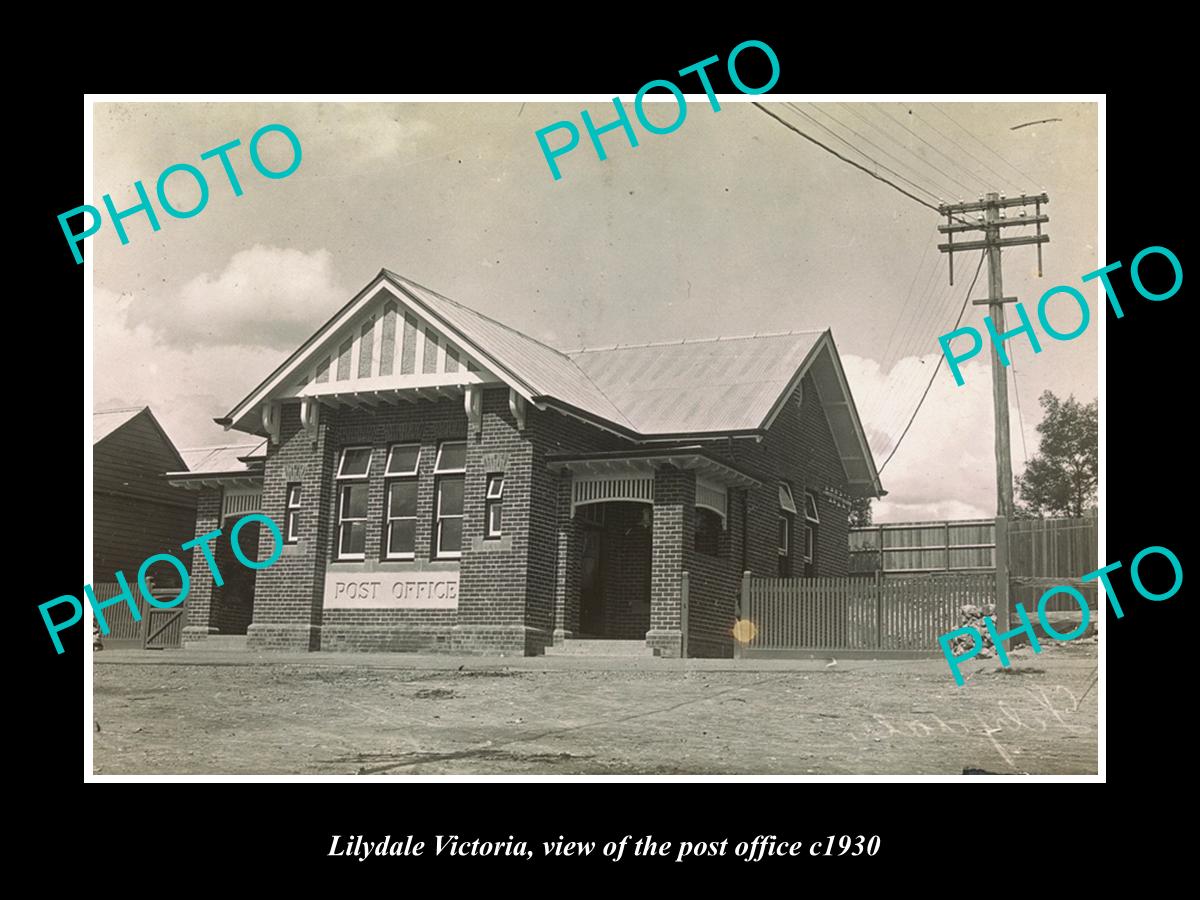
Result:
438,471
387,469
437,463
785,549
809,521
494,500
291,515
389,520
347,482
342,463
786,501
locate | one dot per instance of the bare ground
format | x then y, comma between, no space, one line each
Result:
192,713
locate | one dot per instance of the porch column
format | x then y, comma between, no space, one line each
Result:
289,595
566,582
673,529
200,598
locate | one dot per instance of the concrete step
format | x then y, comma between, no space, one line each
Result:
599,647
223,642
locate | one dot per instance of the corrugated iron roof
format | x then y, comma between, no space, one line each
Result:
545,371
690,387
106,421
223,459
665,390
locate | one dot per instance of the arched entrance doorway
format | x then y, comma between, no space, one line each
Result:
233,602
615,557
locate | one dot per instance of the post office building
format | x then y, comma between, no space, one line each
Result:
443,482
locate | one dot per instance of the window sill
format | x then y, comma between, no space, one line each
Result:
492,545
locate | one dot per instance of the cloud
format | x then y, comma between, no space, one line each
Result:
186,387
266,296
944,467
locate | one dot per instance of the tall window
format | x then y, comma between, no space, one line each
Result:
291,530
785,545
787,514
811,521
708,532
448,470
494,505
352,473
400,531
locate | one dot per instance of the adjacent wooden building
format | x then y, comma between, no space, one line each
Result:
135,512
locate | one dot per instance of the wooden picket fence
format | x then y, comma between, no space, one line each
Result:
855,617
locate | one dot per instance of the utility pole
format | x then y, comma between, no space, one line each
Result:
991,223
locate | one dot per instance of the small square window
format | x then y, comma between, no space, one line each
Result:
451,457
786,502
810,508
495,487
403,459
356,462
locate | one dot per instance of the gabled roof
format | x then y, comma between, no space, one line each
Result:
107,422
696,387
547,372
243,457
647,392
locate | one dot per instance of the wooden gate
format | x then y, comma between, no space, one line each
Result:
870,617
158,629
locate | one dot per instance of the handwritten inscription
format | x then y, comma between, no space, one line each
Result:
1051,706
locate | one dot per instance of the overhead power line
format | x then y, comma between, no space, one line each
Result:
866,140
1020,418
861,168
930,125
870,159
969,190
862,118
937,368
963,129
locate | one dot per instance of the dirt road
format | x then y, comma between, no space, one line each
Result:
189,714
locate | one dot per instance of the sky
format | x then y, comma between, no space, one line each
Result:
732,224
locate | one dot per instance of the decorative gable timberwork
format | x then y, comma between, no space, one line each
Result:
384,349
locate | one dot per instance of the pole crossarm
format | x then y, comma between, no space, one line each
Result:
947,209
986,244
1003,223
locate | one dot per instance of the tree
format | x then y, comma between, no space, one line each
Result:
860,511
1061,479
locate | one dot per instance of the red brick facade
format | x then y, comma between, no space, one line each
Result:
521,592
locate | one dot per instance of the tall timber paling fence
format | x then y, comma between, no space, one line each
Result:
1045,553
1042,553
896,618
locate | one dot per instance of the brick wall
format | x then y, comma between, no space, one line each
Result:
554,537
288,594
799,448
674,514
200,597
507,586
713,585
492,614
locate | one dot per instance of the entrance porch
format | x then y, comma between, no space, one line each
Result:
627,531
